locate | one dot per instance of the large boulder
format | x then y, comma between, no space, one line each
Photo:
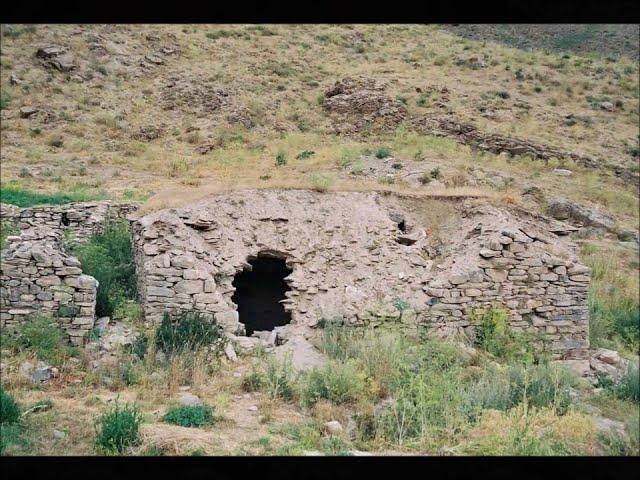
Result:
563,209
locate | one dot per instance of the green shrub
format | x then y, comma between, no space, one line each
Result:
338,382
628,387
118,429
281,159
190,416
275,377
43,336
108,257
305,154
494,335
541,386
383,152
4,100
435,173
9,410
321,182
188,331
380,354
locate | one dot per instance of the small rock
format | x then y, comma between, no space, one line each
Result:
562,172
185,388
230,352
155,59
101,324
253,408
607,356
190,400
332,428
57,434
26,112
41,374
608,106
312,453
25,369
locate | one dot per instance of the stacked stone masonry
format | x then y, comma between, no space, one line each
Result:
38,277
514,266
75,220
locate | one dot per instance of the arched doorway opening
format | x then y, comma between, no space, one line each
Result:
259,290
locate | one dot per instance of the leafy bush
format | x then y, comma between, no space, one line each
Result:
628,386
339,383
118,429
44,337
280,159
9,410
383,152
189,331
275,377
497,338
190,416
108,257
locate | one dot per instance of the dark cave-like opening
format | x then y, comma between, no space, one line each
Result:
258,294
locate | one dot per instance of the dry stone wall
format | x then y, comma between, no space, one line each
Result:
38,277
79,220
362,257
511,264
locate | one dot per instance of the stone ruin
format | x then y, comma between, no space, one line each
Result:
274,263
357,257
38,276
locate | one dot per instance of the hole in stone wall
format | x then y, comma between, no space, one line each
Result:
258,293
65,219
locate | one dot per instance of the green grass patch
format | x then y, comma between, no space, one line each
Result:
22,197
190,416
43,336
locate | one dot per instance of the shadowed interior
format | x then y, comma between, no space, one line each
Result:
258,293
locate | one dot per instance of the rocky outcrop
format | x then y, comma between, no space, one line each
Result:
358,102
563,209
38,277
495,143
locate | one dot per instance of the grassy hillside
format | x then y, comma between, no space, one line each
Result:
165,114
